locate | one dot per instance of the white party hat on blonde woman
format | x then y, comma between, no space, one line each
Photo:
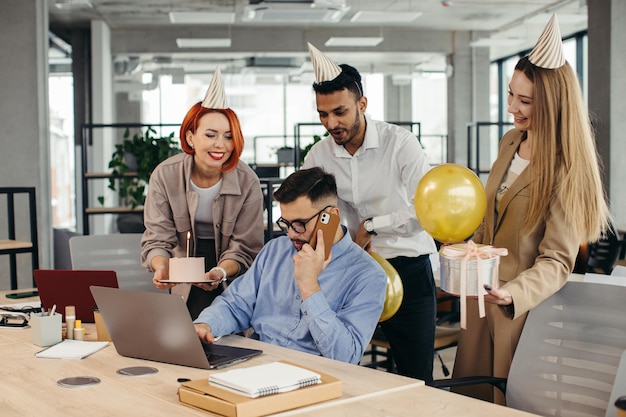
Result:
325,68
548,52
215,97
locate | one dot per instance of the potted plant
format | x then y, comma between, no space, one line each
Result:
147,150
284,155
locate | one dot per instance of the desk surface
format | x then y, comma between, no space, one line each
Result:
30,387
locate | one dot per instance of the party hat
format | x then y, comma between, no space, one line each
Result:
325,69
215,97
548,52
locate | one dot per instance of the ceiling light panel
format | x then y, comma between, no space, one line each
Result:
384,17
203,43
293,12
201,18
353,41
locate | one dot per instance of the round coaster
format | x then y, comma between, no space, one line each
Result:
137,370
78,381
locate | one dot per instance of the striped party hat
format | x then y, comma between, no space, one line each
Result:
548,52
325,69
215,97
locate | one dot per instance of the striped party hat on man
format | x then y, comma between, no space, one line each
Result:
215,97
325,68
548,52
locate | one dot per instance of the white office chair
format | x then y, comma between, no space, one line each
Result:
120,252
566,362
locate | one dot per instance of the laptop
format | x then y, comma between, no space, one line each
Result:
158,327
63,287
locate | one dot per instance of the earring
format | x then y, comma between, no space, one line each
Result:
191,145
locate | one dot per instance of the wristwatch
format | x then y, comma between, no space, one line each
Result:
369,226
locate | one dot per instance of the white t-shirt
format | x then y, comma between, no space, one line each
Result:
204,214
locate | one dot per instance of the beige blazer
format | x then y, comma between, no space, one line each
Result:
170,209
538,263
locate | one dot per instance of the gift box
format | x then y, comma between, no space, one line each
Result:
453,262
465,269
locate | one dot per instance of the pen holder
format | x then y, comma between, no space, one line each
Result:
101,328
46,330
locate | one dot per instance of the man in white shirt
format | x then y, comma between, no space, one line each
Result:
377,166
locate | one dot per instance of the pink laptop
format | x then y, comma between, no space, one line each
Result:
63,287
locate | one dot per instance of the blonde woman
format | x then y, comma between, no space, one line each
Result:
545,197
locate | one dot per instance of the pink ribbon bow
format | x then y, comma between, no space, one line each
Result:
471,251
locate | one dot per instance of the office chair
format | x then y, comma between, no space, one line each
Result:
120,252
567,358
603,254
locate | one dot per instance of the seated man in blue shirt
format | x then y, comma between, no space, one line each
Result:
294,298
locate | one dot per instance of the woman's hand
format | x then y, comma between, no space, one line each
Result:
161,274
498,296
214,278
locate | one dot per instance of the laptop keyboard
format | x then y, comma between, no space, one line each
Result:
212,357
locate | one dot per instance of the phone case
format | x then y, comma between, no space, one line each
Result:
328,223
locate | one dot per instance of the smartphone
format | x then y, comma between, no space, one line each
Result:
22,294
328,223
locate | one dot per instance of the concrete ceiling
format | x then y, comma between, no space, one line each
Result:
144,39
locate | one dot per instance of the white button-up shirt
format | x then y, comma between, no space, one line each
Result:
379,181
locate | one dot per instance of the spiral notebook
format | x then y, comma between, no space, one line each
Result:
260,380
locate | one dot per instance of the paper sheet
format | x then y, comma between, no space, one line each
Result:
71,349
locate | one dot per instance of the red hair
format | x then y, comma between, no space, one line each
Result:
190,124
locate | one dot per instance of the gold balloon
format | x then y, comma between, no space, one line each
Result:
395,290
450,202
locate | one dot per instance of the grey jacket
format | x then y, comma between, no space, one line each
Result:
171,206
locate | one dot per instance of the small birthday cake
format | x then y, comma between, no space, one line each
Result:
469,265
187,270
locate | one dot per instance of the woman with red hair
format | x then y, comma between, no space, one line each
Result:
204,202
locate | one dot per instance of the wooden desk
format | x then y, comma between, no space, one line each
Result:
409,401
30,387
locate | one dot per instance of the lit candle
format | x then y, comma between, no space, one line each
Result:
188,239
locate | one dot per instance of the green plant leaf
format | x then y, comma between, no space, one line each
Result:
149,151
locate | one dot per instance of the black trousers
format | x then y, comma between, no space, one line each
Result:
411,331
198,298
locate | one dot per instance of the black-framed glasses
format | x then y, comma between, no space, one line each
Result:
298,226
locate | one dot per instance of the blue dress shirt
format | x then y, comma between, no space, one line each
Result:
336,322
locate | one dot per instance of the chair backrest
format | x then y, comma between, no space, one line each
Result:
604,253
120,252
569,352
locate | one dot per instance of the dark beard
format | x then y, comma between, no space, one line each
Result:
354,129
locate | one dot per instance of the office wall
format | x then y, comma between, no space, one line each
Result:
24,121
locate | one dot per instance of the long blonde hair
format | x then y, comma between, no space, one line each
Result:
565,164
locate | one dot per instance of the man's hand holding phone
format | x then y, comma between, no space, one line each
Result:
308,265
328,223
313,258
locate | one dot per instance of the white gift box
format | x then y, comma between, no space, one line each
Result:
465,269
452,266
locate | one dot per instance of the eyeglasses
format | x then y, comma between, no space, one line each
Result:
298,226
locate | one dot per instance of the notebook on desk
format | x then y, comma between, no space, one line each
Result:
63,287
158,327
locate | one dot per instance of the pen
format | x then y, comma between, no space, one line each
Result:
54,307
